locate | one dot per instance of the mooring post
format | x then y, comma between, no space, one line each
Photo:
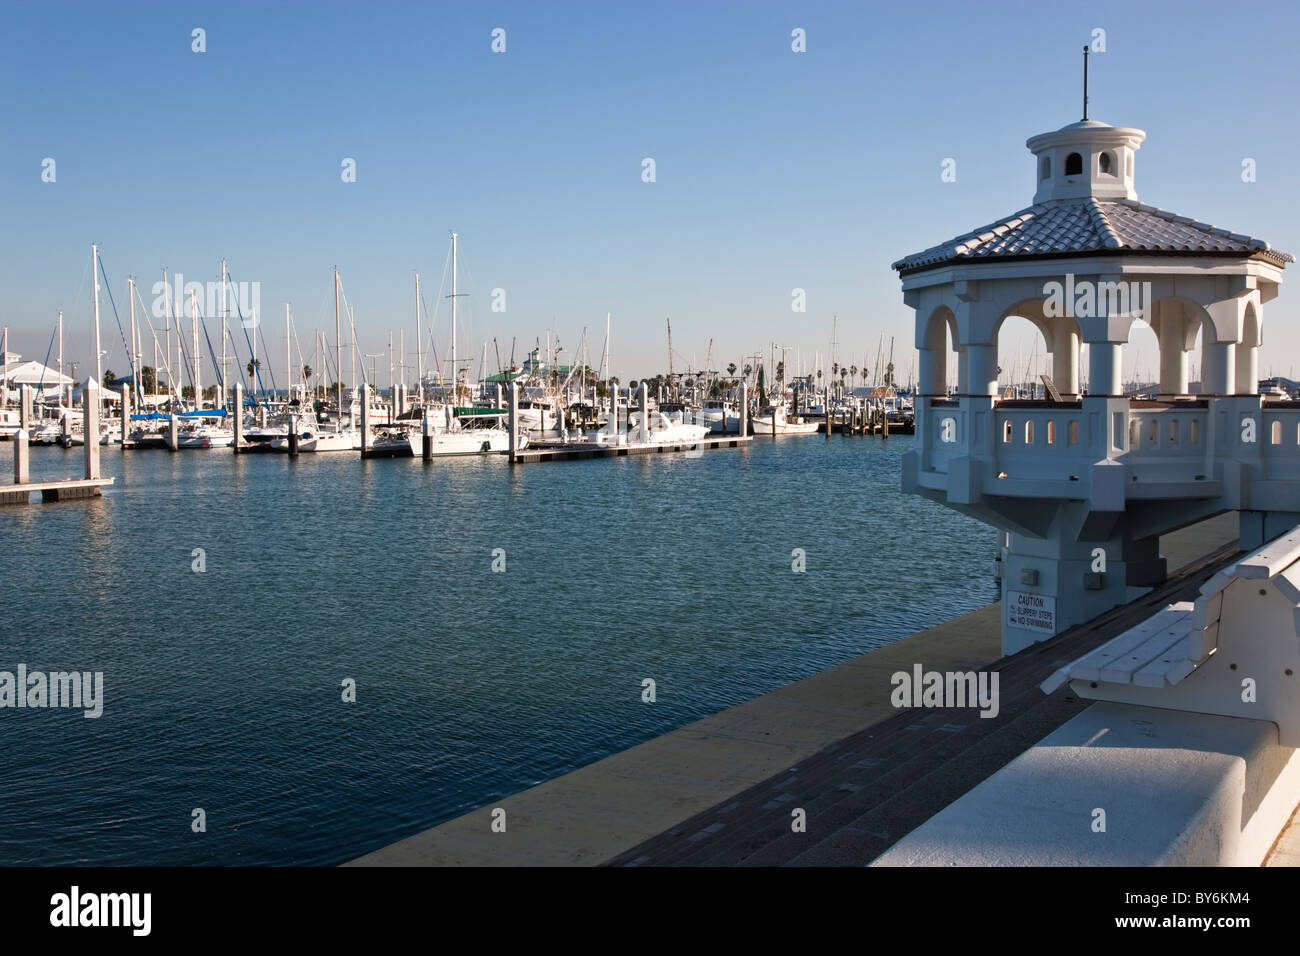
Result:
22,452
365,419
293,436
613,413
644,399
513,421
173,432
239,417
426,443
126,416
744,410
90,425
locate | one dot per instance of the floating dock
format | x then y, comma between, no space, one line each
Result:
572,451
53,490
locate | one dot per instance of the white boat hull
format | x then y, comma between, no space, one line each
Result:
468,441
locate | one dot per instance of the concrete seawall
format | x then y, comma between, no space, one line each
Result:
600,811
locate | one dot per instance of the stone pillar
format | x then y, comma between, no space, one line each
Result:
90,425
1173,356
1105,368
1065,362
931,373
1246,372
1218,368
982,369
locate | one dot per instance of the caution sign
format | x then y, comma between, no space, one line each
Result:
1033,612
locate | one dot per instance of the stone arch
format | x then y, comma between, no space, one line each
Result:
1061,338
1178,323
936,340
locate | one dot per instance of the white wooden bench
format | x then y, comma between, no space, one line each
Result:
1234,652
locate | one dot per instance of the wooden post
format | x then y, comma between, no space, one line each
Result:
126,416
744,410
884,423
90,425
239,417
512,421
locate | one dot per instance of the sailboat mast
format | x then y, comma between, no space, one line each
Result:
60,358
99,371
454,385
167,329
419,342
198,356
223,333
288,357
338,347
135,353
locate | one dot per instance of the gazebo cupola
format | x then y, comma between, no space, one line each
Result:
1085,159
1085,479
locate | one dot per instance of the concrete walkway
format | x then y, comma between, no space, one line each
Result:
597,812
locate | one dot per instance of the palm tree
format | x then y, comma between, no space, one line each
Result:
253,366
853,370
731,369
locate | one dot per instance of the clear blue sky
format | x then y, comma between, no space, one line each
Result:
775,170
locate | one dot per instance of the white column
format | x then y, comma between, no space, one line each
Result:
1173,357
1218,368
982,369
1105,368
1065,362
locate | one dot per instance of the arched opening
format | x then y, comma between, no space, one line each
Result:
1171,338
1105,164
1046,168
1051,432
1029,431
936,344
1023,352
1073,165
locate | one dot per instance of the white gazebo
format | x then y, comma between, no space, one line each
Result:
1084,481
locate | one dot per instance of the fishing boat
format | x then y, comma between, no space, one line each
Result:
784,424
722,416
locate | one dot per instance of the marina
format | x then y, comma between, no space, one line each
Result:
924,486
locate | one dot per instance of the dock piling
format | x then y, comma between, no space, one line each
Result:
644,399
22,451
90,425
173,432
744,410
512,422
126,416
239,417
365,419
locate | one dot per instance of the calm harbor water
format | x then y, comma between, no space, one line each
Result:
223,688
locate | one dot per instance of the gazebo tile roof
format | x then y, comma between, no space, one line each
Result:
1069,227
